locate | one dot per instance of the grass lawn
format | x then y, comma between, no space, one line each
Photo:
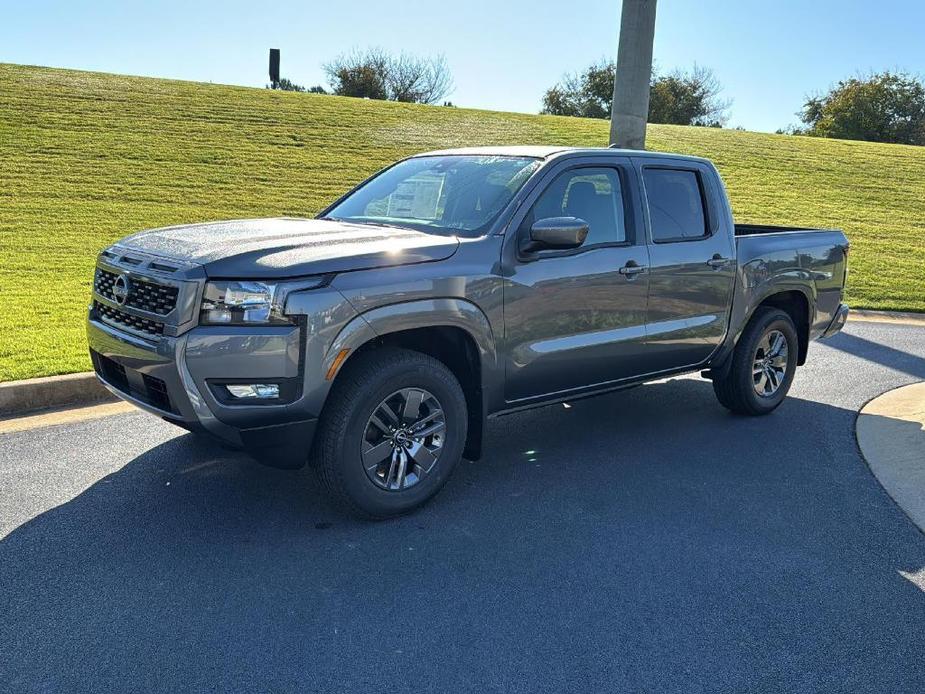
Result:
86,158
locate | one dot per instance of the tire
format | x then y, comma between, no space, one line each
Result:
738,389
354,426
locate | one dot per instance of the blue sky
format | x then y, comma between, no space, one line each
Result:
503,53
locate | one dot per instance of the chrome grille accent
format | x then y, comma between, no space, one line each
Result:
146,296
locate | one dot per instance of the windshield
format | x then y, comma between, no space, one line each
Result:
452,195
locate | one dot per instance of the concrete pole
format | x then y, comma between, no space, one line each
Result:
630,109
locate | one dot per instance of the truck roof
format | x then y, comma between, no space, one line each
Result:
547,151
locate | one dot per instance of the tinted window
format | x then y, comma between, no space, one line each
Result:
460,195
675,204
593,195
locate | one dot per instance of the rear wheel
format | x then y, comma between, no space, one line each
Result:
763,365
392,431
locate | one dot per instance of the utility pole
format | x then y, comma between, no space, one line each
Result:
630,110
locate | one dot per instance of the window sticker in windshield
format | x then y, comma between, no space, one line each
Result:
417,198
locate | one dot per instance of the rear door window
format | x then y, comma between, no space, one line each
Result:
676,209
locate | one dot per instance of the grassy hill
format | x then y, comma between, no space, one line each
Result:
86,158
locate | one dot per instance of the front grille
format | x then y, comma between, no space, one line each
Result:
146,296
121,319
149,389
103,282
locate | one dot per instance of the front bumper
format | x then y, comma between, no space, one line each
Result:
838,321
181,380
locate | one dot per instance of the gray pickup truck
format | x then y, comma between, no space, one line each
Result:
374,341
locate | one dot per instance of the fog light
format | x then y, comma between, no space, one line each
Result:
262,391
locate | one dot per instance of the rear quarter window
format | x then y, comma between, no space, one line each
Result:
676,205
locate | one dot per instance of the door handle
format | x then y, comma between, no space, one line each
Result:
718,261
631,269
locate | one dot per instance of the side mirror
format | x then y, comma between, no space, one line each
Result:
557,232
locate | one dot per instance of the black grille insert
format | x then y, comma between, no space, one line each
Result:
113,372
157,392
147,296
144,387
121,319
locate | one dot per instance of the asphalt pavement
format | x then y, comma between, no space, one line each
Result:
642,541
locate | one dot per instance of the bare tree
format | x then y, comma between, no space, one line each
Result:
375,74
418,80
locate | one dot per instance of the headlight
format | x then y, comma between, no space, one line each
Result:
240,303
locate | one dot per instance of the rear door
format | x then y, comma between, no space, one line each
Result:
576,318
691,260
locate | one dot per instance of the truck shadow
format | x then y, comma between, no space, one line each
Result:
645,536
879,353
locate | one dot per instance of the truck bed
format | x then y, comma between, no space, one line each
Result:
791,256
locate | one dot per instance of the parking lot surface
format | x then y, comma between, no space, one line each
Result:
642,541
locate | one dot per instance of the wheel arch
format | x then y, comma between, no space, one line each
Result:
453,331
795,300
795,304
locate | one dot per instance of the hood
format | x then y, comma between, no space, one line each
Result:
287,247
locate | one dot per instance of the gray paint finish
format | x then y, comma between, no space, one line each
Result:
270,248
546,324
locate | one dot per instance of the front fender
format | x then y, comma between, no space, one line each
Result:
424,313
451,312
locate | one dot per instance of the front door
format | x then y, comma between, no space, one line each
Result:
691,263
576,318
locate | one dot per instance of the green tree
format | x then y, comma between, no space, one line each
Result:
882,107
587,95
688,98
683,98
359,73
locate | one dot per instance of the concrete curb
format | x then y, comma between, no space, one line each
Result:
891,435
901,317
20,397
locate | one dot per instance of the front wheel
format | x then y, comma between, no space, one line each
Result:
763,365
392,431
